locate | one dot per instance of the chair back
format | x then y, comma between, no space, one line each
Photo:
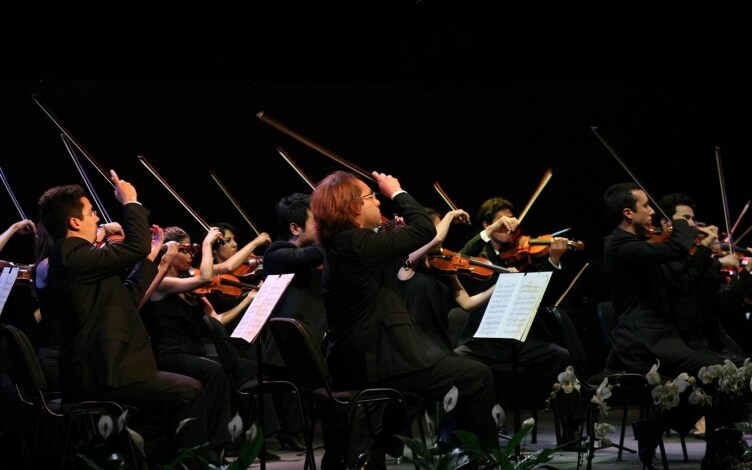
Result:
226,352
570,339
25,370
300,352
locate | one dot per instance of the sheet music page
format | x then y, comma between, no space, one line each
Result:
513,305
261,307
7,280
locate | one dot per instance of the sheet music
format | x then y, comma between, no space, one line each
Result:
7,280
513,305
261,307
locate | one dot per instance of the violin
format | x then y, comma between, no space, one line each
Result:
253,266
450,262
388,225
223,284
24,272
527,247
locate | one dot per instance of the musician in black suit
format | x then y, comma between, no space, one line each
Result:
295,251
372,340
106,353
641,280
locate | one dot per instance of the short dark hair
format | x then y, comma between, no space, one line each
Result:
292,209
669,202
57,205
616,198
491,206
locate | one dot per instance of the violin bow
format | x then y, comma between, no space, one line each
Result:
744,234
724,200
87,182
611,150
544,181
311,144
571,284
295,167
449,202
174,193
739,219
234,202
12,195
102,171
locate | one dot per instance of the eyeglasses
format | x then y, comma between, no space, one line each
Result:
189,248
93,213
370,196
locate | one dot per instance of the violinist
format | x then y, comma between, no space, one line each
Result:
228,259
498,235
647,327
699,293
538,354
20,306
179,335
294,251
372,341
105,350
430,298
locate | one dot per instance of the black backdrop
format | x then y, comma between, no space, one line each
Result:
478,139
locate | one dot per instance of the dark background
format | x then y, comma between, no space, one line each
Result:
477,138
480,98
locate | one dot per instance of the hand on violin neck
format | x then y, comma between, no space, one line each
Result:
711,234
559,246
170,250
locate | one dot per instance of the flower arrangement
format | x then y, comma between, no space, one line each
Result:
108,428
471,452
568,383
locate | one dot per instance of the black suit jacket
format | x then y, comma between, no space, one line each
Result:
302,299
371,335
635,271
105,344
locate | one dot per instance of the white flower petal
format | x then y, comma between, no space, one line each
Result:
182,423
498,415
235,426
105,425
450,399
137,440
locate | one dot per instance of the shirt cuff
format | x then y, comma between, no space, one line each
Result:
484,236
396,193
133,202
557,266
